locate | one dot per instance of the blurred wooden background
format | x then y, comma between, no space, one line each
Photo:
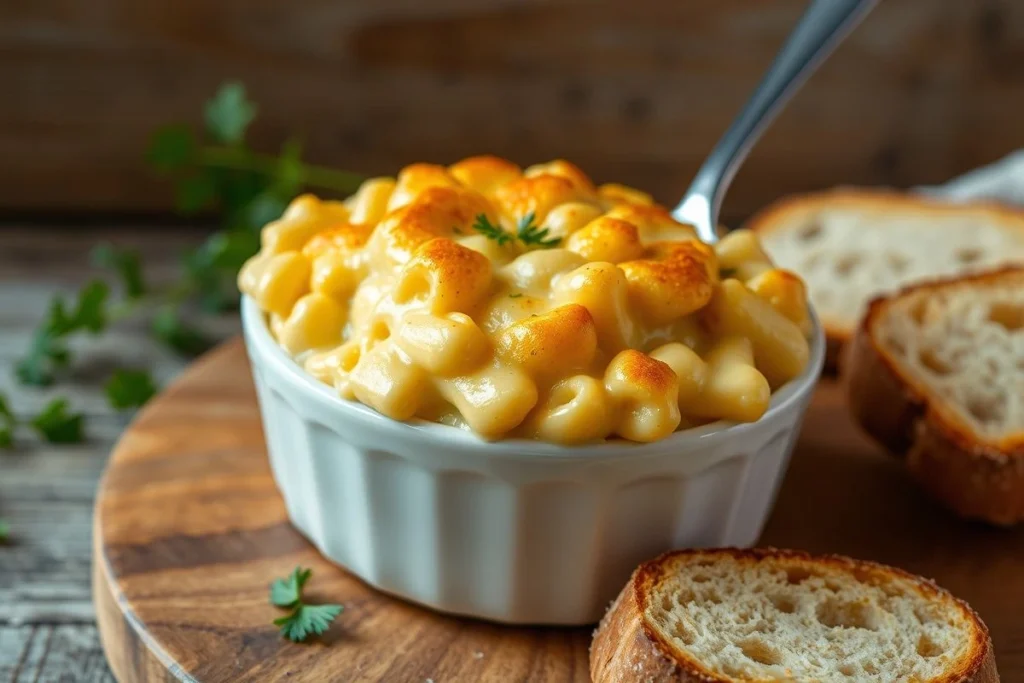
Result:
635,90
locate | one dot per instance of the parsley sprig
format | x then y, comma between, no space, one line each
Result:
303,620
527,232
485,227
532,234
215,171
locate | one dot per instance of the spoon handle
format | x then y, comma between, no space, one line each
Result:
824,24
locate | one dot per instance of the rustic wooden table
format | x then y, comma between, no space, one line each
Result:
47,624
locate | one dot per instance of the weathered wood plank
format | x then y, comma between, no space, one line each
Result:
636,92
52,654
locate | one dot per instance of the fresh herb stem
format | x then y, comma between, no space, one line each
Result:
240,159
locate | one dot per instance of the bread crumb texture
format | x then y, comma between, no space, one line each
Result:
963,342
851,247
794,618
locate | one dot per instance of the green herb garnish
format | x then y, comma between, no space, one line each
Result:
129,388
304,619
212,169
57,425
515,295
7,423
491,231
531,234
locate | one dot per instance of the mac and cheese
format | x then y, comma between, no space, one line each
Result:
528,303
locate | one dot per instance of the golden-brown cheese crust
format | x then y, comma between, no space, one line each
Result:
537,195
406,276
485,173
626,647
971,475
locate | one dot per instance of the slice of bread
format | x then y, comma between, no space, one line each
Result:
724,616
936,374
850,246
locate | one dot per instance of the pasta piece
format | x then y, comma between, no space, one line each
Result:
484,174
534,271
614,193
316,321
370,202
444,346
601,287
564,340
563,169
493,400
276,281
576,410
734,389
389,382
654,223
690,370
646,391
786,293
740,255
414,180
676,280
445,276
780,349
537,195
567,218
606,239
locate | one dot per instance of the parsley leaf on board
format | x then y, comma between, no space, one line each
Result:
229,113
288,592
129,388
126,263
307,620
57,425
303,620
5,531
532,234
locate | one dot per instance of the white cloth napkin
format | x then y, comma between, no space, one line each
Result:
1001,181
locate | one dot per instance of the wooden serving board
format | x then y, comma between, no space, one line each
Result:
190,531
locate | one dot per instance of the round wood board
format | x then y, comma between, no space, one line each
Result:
190,531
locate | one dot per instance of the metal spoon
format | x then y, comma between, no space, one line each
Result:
822,27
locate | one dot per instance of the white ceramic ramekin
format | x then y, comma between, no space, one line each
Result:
515,531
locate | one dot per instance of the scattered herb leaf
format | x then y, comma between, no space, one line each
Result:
288,592
172,147
532,234
304,619
229,113
126,263
57,425
307,620
5,531
181,337
515,295
7,423
491,231
129,388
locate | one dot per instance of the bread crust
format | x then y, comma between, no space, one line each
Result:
784,213
627,648
973,477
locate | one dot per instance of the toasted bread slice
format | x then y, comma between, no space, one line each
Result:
850,246
725,616
936,374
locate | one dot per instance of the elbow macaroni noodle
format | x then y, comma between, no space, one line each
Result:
628,326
